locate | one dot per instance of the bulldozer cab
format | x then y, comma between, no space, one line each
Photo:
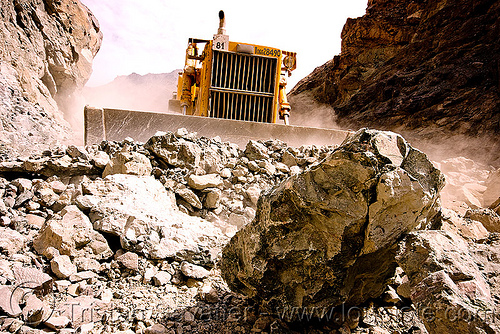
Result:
230,80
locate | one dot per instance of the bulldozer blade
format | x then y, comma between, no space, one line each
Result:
116,125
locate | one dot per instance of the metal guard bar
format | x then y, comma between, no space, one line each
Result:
238,91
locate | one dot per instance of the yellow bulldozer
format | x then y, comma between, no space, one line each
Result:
236,91
230,80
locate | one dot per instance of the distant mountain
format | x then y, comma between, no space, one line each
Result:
149,92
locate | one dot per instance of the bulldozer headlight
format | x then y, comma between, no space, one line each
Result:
289,62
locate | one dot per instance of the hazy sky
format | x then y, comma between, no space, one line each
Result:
151,36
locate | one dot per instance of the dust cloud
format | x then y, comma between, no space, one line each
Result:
466,161
440,146
438,143
307,112
150,92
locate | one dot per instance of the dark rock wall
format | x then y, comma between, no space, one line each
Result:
423,67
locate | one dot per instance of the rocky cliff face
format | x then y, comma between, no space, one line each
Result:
426,67
46,56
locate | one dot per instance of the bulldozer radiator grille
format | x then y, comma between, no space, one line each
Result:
242,87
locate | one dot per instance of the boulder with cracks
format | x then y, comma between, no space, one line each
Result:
317,235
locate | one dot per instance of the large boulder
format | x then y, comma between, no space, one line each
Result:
144,215
453,282
317,236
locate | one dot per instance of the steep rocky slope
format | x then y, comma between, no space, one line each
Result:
428,69
150,92
46,56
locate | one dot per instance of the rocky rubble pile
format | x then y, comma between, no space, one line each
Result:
102,226
126,236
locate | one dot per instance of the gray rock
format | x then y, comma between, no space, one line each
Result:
404,289
100,159
146,218
86,264
390,296
288,158
295,170
6,273
188,317
256,151
33,279
447,277
189,196
237,220
47,197
3,208
11,241
212,198
174,151
253,194
35,220
161,278
225,173
267,167
57,322
85,202
489,218
148,274
9,201
33,311
208,294
194,271
253,166
129,260
281,167
77,152
9,301
62,266
71,232
239,171
128,163
200,182
317,235
156,329
22,184
23,197
57,186
82,276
